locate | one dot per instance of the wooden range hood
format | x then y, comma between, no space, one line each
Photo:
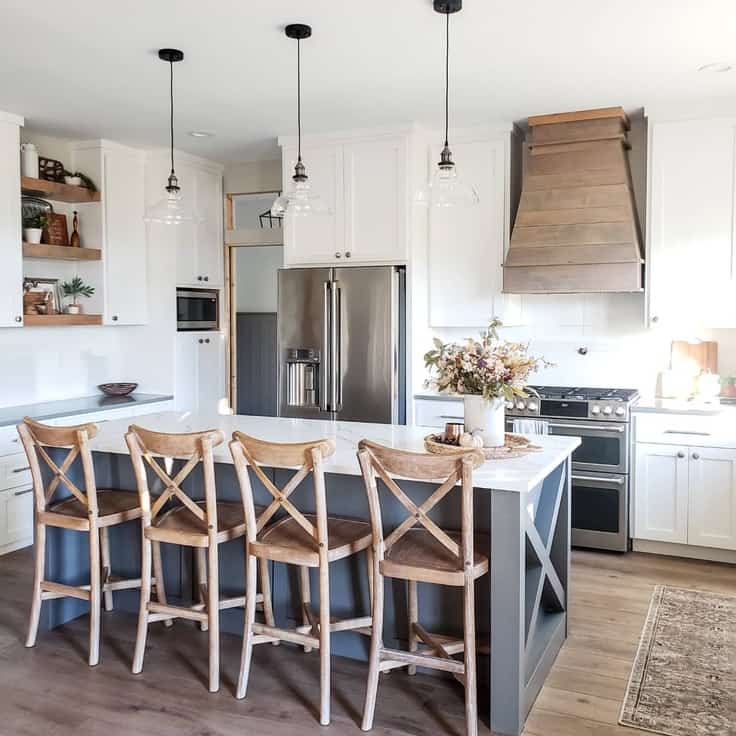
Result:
576,229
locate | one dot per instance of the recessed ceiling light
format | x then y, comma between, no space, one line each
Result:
719,67
200,134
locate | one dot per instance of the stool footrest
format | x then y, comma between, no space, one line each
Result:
50,589
173,612
291,635
393,658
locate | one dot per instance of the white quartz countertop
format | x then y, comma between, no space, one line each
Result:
520,474
656,405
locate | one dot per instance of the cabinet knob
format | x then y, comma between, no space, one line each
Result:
201,340
347,254
114,318
207,340
655,319
696,456
199,278
206,278
18,318
338,254
680,454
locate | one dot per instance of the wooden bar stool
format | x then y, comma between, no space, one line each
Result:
202,525
303,539
91,510
418,550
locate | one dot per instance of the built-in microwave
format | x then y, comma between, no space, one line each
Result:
197,309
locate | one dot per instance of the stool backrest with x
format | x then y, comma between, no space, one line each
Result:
149,448
37,438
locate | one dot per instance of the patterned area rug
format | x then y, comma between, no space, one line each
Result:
683,682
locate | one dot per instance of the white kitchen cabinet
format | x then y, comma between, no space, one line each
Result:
467,245
11,274
438,412
690,260
661,493
209,238
125,248
16,503
712,493
363,183
200,371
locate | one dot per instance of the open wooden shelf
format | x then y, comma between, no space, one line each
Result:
57,191
60,252
59,320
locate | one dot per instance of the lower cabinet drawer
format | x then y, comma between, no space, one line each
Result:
14,471
16,517
438,412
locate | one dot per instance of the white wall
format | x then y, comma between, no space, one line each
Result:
255,277
48,363
252,176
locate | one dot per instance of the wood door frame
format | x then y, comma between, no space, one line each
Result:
235,239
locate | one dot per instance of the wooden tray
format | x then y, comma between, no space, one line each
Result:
516,446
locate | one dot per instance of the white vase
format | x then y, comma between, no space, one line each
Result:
488,417
29,160
32,234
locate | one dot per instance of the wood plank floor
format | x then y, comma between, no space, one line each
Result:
50,690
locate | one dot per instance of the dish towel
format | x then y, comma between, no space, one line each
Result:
530,426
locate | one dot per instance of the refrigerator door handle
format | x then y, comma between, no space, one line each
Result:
326,357
335,348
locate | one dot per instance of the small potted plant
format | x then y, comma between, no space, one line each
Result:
74,289
33,226
78,179
729,387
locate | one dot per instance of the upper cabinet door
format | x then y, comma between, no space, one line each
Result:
11,275
691,224
467,244
712,513
661,493
376,201
318,239
209,238
125,252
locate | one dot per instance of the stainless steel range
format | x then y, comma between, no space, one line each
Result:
601,465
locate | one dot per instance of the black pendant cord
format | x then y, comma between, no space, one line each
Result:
171,111
299,98
447,77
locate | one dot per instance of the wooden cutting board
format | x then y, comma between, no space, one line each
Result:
694,358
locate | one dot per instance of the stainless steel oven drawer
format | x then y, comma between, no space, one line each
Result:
600,510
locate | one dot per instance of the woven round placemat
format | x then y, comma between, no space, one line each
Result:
516,445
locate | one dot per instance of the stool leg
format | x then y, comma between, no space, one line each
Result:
106,567
374,660
140,639
250,617
413,610
213,614
266,589
471,687
306,597
324,640
201,555
95,593
40,552
158,573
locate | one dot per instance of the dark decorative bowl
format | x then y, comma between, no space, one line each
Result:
117,389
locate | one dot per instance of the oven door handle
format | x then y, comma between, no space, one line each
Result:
573,427
590,478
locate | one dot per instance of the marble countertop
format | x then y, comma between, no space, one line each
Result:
520,474
655,405
12,415
438,397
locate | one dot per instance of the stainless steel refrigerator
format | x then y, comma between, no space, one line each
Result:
342,343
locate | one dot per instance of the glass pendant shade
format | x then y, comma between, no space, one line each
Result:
447,189
300,201
172,209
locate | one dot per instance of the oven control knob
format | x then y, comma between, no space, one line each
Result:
620,411
595,410
520,405
532,406
607,410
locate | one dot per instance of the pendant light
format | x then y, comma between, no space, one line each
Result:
446,189
300,201
171,210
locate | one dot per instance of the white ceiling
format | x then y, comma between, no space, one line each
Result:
85,68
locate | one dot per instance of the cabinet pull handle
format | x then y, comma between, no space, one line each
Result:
683,431
448,416
21,470
23,493
681,455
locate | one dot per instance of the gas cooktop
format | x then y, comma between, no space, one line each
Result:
606,404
